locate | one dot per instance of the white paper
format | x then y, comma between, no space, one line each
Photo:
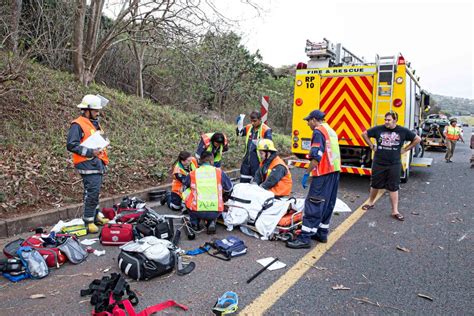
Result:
277,265
240,123
95,141
88,242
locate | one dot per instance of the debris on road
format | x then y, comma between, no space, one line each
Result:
403,249
367,301
338,287
415,213
36,296
425,297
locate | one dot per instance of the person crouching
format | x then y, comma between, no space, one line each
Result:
273,174
204,197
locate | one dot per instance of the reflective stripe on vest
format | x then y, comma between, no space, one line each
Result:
206,190
179,168
283,187
206,139
260,134
453,133
87,129
331,160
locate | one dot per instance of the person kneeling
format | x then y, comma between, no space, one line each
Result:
204,197
273,174
182,167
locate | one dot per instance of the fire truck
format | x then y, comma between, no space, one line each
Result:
355,95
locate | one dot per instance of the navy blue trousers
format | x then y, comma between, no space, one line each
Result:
208,215
249,167
319,205
92,184
174,201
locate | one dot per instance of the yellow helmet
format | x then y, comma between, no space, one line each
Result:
266,145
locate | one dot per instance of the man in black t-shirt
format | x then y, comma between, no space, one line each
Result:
386,167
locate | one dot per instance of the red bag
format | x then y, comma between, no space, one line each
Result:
116,234
128,217
111,212
52,255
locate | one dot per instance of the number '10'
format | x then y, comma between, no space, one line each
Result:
309,85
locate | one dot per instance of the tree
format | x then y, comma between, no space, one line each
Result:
89,50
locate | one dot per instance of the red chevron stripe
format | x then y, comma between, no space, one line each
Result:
356,118
344,104
325,82
354,134
361,108
344,134
331,90
367,101
353,131
367,82
347,89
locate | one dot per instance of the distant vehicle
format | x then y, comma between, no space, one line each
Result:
465,124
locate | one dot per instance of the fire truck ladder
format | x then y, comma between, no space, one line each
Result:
386,65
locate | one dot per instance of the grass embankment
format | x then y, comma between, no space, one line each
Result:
37,170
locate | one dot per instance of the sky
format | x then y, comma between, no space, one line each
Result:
435,36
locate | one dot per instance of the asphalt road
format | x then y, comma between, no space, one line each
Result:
438,206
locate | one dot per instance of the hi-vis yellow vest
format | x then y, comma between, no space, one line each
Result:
206,190
453,133
331,160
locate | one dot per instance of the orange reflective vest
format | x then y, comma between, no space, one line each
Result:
331,159
179,169
261,133
283,187
87,129
206,139
453,133
206,189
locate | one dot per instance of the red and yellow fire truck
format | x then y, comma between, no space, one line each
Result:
355,95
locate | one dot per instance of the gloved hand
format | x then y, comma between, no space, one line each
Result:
304,180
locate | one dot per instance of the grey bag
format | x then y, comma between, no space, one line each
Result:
73,251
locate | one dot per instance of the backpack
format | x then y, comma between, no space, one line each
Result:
228,248
47,247
146,258
34,263
151,223
73,250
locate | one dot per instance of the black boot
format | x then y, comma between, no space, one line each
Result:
298,244
211,227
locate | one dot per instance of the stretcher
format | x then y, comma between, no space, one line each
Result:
257,209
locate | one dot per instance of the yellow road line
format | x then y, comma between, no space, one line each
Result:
286,281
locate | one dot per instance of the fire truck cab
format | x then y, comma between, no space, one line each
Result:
355,95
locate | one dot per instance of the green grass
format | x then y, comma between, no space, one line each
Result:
145,139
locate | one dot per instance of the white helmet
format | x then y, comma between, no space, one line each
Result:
90,101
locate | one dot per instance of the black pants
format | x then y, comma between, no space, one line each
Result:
92,184
386,176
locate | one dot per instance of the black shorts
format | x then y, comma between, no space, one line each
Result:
386,177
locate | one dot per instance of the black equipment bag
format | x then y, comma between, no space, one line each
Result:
152,224
138,267
14,266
